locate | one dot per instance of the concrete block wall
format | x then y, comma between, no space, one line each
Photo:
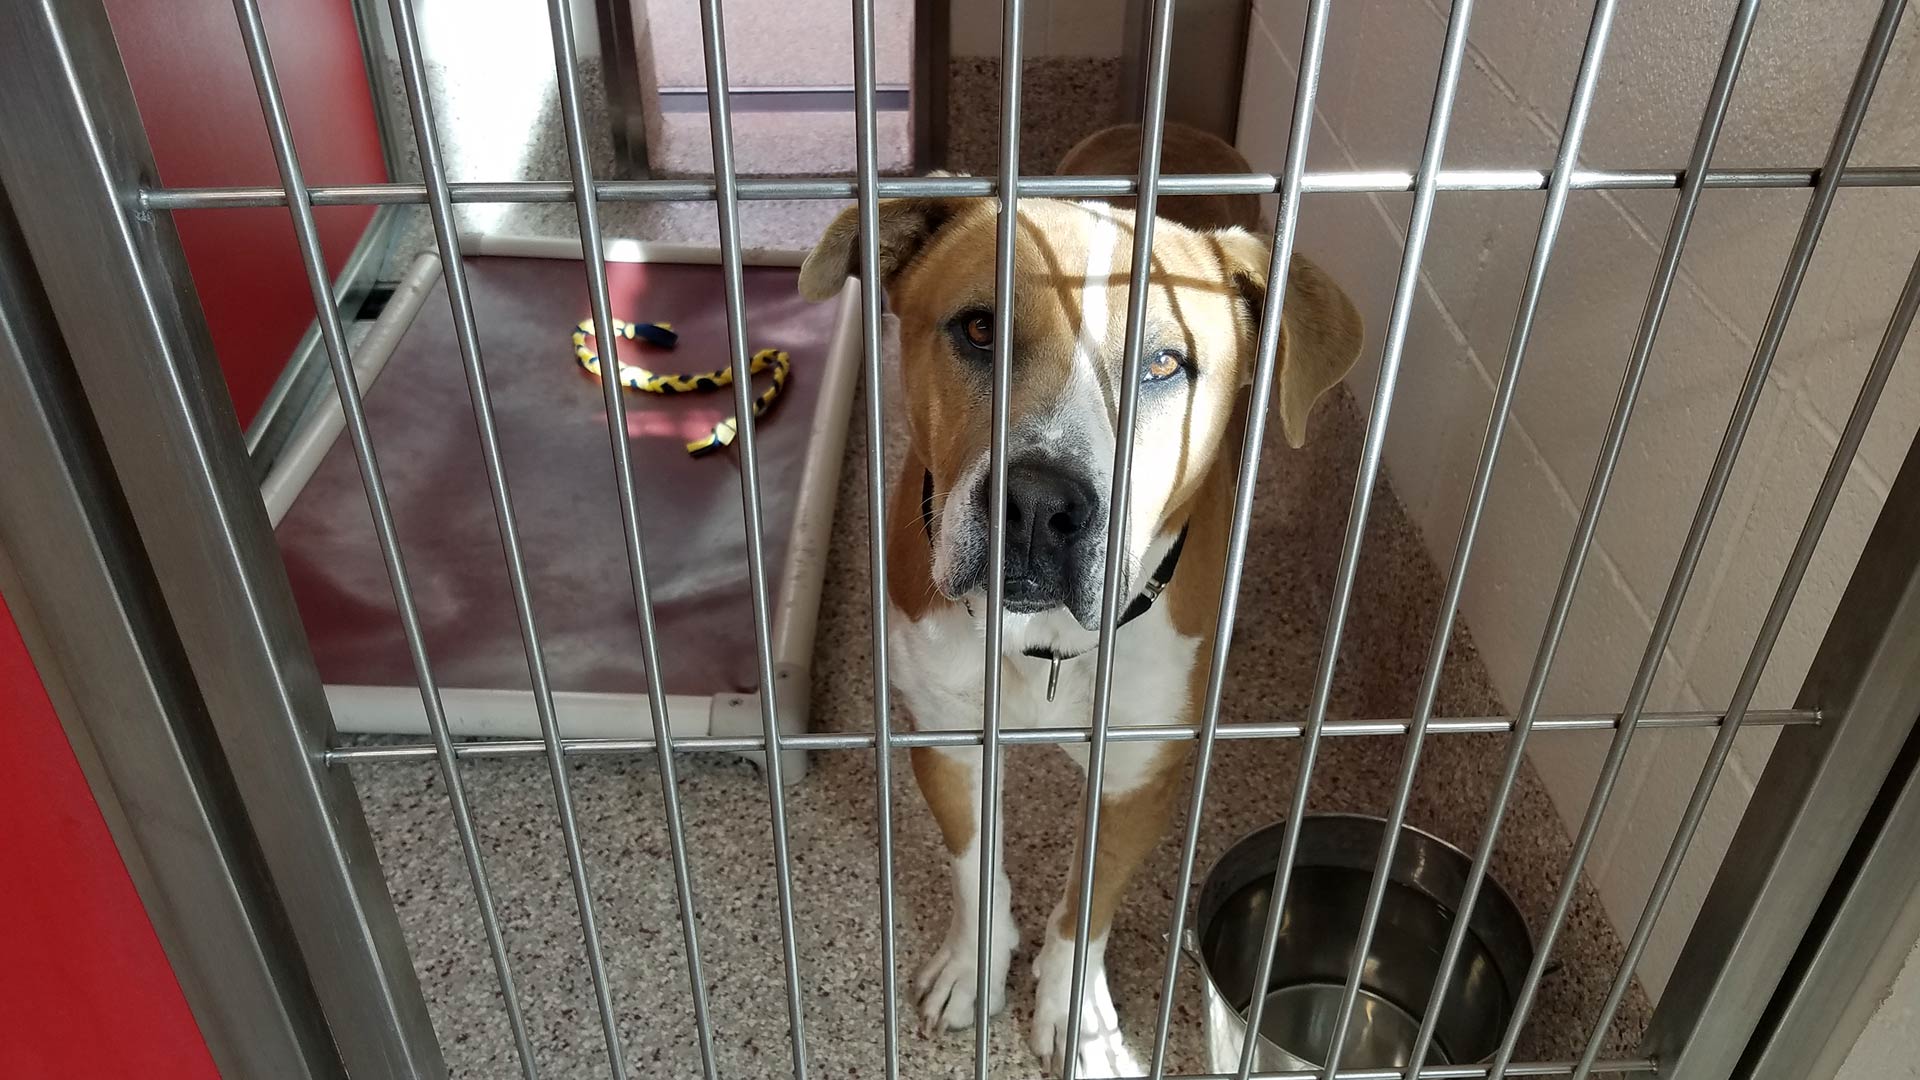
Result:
1381,63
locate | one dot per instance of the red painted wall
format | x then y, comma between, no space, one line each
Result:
85,990
196,97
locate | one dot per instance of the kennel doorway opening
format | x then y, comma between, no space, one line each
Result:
326,984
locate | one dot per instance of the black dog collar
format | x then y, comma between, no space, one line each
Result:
1142,601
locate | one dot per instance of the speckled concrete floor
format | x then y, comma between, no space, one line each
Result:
1300,511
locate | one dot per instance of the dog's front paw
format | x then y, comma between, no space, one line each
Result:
1101,1052
947,987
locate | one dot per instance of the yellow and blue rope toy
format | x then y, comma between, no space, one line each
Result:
635,377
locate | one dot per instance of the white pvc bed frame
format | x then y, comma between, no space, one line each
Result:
489,713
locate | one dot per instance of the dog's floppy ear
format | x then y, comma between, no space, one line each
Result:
1320,329
905,226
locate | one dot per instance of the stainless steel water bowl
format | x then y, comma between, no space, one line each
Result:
1319,929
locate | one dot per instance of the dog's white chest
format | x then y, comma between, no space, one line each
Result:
937,664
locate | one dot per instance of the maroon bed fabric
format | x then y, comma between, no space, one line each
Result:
553,434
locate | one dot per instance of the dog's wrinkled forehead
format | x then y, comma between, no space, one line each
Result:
1072,264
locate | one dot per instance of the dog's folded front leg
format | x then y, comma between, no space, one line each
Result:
948,984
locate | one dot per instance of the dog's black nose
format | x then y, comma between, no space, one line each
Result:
1050,515
1046,505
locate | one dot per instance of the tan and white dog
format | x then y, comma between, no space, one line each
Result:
1072,265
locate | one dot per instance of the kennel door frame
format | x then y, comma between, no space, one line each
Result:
74,159
1862,936
85,600
1807,811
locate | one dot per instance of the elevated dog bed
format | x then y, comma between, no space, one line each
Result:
527,296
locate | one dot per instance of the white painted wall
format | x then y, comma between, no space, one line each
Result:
1381,63
502,25
491,65
503,28
1886,1048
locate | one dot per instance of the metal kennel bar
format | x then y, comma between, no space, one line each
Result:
333,335
1853,115
1373,444
96,226
1056,736
1355,182
1006,234
867,151
1712,118
1769,931
1313,48
566,71
466,333
713,38
1578,110
1623,1067
1829,493
1120,501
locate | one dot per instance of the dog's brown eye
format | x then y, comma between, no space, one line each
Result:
979,330
1164,364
